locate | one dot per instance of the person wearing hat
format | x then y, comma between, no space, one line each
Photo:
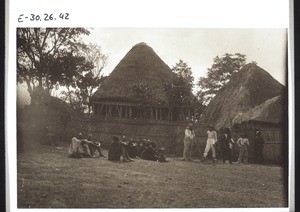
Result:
189,136
258,147
210,143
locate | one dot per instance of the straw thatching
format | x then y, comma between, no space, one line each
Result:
248,88
270,118
140,65
271,111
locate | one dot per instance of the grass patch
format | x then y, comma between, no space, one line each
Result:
47,178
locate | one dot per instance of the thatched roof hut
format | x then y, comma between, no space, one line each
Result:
270,118
248,88
140,65
272,111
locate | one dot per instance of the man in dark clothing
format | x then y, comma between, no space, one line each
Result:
161,155
141,147
150,152
118,149
225,149
258,147
225,145
132,148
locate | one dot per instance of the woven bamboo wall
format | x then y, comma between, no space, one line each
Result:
166,134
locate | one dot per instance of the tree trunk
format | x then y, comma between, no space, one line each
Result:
29,88
40,82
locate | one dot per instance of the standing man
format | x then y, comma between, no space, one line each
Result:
226,143
210,144
258,147
243,143
189,135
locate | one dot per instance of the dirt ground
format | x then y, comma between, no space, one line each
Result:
48,178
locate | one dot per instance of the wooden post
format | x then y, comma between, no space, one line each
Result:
100,109
106,112
183,115
160,115
97,110
125,112
121,107
109,111
152,114
119,110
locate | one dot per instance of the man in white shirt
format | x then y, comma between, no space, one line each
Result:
210,144
189,135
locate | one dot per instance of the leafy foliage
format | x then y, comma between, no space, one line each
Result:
179,90
143,94
219,75
74,98
89,80
47,57
181,69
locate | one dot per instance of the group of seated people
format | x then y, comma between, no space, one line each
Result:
81,147
119,149
127,150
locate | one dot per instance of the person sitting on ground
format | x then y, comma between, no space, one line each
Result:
142,147
94,146
118,149
132,148
125,144
161,155
76,148
150,152
86,148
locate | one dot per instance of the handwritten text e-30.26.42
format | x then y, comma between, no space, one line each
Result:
44,17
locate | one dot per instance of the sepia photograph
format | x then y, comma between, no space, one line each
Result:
148,118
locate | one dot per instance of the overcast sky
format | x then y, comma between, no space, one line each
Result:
197,46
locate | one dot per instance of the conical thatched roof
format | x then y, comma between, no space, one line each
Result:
271,111
248,88
140,65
